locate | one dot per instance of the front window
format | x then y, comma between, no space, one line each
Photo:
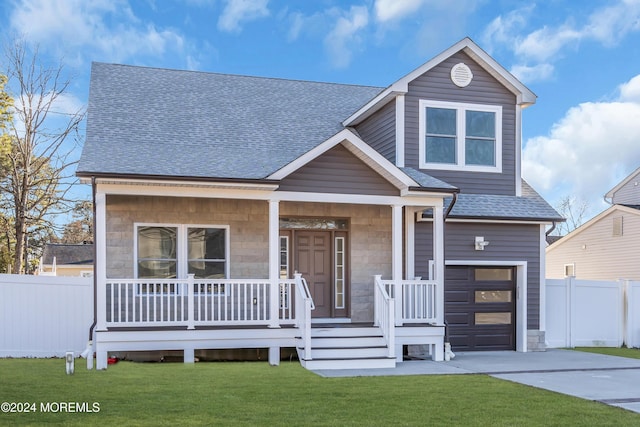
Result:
207,252
165,252
460,136
157,252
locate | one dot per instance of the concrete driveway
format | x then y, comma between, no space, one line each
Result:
607,379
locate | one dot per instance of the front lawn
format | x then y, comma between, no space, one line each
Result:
257,394
632,353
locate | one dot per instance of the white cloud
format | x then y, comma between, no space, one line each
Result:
606,25
388,10
630,91
545,43
501,30
69,25
344,36
237,12
592,147
529,74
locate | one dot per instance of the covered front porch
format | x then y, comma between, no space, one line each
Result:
275,310
192,314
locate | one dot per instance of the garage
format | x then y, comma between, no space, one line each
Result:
480,308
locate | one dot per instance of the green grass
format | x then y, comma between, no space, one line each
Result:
632,353
257,394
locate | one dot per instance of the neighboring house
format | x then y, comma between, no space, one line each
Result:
606,247
346,221
66,259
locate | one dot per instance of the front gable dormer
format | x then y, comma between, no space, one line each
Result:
457,118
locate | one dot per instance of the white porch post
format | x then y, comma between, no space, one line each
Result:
438,261
409,242
274,263
100,262
101,275
396,263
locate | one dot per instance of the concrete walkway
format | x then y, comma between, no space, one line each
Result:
607,379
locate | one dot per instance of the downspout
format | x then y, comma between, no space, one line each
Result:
95,255
448,354
88,352
549,231
453,202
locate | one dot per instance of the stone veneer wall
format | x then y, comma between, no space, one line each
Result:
248,222
369,235
370,246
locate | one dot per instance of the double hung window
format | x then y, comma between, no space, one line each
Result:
460,136
174,251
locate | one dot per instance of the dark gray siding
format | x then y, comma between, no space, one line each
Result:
484,89
379,131
517,242
338,171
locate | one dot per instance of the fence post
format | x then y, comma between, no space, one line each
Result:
628,313
569,288
190,302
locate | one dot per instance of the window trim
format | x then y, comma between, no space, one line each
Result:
461,109
570,270
182,253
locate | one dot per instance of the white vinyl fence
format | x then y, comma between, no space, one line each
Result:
44,316
590,313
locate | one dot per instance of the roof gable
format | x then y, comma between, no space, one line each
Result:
587,225
524,96
338,171
611,194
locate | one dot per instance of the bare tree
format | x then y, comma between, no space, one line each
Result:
38,174
574,211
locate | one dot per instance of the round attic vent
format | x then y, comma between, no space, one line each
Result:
461,75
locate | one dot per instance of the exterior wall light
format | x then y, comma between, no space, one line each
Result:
480,243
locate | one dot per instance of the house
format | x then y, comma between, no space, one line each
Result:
605,247
66,259
349,222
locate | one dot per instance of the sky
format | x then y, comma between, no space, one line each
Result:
581,58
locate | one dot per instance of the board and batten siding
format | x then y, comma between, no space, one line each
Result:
507,242
484,89
338,171
597,253
379,131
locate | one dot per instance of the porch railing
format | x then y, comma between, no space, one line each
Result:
417,300
304,305
384,315
195,302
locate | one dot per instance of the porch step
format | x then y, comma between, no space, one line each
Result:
353,347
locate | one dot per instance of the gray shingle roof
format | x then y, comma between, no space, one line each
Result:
427,181
153,121
528,207
68,254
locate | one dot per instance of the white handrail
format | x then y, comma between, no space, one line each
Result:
417,300
304,305
385,315
194,302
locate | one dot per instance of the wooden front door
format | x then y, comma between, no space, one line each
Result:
313,259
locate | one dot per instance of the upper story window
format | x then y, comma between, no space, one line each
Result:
457,136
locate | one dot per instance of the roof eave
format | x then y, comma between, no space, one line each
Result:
83,175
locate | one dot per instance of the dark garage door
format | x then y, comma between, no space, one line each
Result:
480,308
